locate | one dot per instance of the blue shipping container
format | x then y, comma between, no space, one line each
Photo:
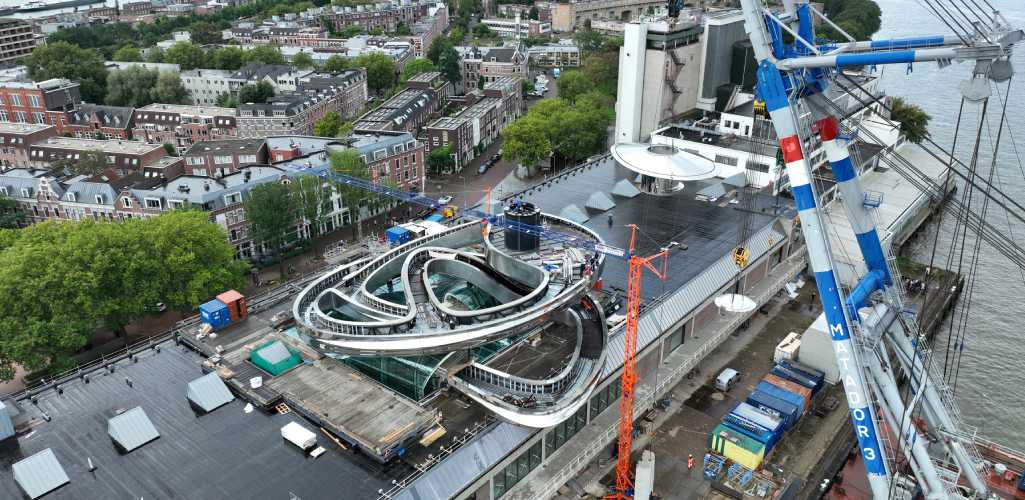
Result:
215,314
770,422
772,405
781,393
806,371
796,377
398,235
751,430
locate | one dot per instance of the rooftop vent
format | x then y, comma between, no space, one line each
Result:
131,429
207,393
40,474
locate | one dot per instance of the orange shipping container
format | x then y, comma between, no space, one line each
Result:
793,387
236,302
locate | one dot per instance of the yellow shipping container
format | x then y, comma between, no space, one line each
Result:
738,448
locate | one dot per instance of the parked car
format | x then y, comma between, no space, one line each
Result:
445,200
483,168
495,158
727,379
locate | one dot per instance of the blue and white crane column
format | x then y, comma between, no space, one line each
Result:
773,92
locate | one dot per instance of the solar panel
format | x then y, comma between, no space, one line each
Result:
132,429
40,474
209,392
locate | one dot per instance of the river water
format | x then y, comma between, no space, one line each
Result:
991,380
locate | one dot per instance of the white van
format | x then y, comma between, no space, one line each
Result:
727,379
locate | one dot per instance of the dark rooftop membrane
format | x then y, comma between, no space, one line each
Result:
709,230
225,454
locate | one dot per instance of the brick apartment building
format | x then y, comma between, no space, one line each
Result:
183,125
96,121
295,113
477,125
410,109
44,102
491,63
394,156
223,157
372,16
17,138
122,156
17,40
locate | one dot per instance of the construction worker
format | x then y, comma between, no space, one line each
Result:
690,462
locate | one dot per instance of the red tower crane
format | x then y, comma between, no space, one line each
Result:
629,379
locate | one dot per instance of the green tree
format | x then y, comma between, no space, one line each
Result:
526,86
436,48
226,58
271,215
169,89
572,84
185,54
10,217
589,41
481,30
256,93
468,8
527,141
327,125
345,129
456,36
859,18
311,197
302,60
131,87
349,162
440,160
265,54
90,163
449,65
205,33
64,60
380,70
170,149
155,55
532,13
351,31
336,64
402,30
603,70
128,53
914,122
416,67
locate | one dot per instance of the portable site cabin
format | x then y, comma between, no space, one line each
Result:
737,447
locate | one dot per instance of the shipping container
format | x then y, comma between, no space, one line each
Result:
787,349
236,302
215,314
787,412
795,376
760,417
398,235
781,393
752,430
793,387
814,376
737,447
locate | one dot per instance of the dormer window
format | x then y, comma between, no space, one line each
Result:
70,197
99,199
126,202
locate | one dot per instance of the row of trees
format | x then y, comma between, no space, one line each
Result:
560,129
137,87
60,282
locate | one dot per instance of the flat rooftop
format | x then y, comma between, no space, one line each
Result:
186,109
22,128
104,146
224,454
709,230
758,146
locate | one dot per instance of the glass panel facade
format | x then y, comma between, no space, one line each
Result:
605,397
564,431
516,470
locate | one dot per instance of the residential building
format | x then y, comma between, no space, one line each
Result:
283,77
294,113
136,9
510,10
425,31
97,121
518,27
225,156
393,156
17,40
478,125
410,109
36,192
15,140
486,64
381,16
568,16
182,125
205,86
39,102
122,156
556,55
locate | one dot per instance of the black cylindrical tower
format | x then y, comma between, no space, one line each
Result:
522,213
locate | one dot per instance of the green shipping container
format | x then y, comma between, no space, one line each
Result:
737,447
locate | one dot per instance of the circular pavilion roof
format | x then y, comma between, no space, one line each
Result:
664,162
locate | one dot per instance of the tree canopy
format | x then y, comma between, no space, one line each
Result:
914,122
128,53
10,217
859,18
336,64
226,58
328,125
572,84
137,86
302,60
265,54
349,162
416,67
271,215
64,60
380,70
185,54
556,127
440,160
59,282
255,92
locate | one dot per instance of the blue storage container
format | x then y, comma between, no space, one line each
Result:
751,430
215,314
787,412
816,377
781,393
436,218
748,412
398,235
795,377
